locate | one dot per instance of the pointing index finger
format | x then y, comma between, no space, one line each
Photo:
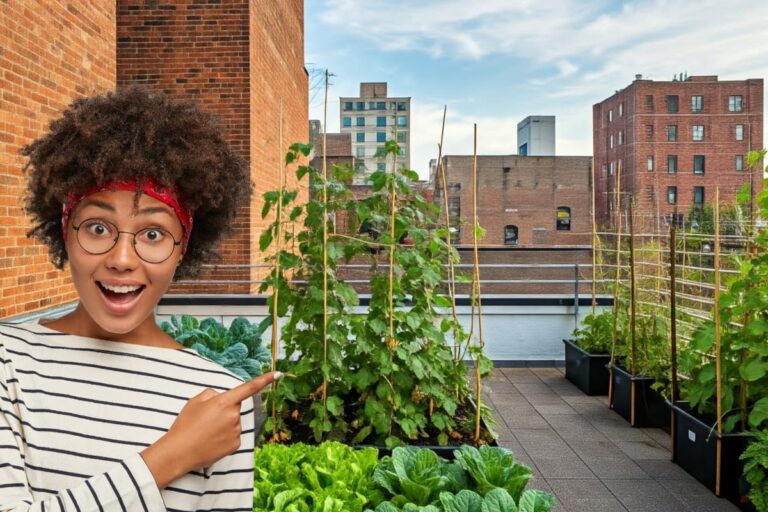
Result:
250,387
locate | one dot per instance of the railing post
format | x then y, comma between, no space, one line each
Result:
576,296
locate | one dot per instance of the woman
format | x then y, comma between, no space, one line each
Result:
100,410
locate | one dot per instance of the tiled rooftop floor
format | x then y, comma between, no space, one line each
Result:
587,455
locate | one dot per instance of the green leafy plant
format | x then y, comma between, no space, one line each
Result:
238,348
493,467
596,333
743,346
330,477
755,459
384,376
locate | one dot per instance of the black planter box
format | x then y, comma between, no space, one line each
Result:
587,371
695,450
650,408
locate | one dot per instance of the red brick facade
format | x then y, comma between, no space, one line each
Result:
241,59
634,129
522,193
50,53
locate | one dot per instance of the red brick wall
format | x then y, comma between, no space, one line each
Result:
240,60
719,146
50,53
527,195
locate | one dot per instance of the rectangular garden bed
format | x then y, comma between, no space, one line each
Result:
587,371
646,409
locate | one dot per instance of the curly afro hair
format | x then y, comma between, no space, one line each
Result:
135,134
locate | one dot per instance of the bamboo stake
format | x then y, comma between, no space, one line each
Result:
391,343
632,313
448,242
673,326
594,239
481,344
718,362
276,284
325,253
615,285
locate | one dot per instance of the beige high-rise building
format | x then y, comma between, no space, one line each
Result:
372,119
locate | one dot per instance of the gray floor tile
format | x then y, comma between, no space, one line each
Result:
585,494
645,496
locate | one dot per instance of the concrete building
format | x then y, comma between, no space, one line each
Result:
372,119
522,201
240,59
536,136
675,141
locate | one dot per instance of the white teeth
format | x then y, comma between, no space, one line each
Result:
120,289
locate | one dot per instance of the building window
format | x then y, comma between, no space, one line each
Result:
381,137
401,136
401,106
734,103
621,109
610,116
739,162
649,102
672,195
698,195
672,104
563,218
739,132
360,137
402,121
346,122
360,105
381,166
371,105
698,164
698,132
347,105
360,152
621,137
454,186
611,168
610,141
523,149
454,209
381,105
650,163
359,121
672,133
649,132
672,164
697,103
381,121
510,234
401,152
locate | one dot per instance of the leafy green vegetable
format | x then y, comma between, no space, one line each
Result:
755,459
596,332
237,348
331,477
493,467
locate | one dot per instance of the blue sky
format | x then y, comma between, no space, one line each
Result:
494,62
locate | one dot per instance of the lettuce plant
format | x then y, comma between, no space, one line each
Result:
237,348
596,332
493,467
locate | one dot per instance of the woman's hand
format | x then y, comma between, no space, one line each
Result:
206,430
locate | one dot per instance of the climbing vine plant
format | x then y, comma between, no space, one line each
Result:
384,374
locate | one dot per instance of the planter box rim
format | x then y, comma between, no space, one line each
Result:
591,354
681,407
639,377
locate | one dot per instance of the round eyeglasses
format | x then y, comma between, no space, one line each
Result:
97,236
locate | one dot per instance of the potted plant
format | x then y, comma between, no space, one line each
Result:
726,364
755,475
588,353
383,376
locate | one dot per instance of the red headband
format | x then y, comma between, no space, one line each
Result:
169,196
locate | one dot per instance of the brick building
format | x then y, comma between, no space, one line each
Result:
675,142
241,59
533,201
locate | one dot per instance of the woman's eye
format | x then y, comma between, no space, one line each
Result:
98,229
153,235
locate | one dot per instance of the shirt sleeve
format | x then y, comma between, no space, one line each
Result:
229,481
128,485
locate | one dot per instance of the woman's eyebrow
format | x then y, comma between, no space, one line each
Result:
98,203
154,209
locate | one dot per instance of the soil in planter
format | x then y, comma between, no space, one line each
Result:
465,415
650,408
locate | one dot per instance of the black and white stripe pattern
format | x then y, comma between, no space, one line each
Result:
75,413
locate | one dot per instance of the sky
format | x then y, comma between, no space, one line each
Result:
495,62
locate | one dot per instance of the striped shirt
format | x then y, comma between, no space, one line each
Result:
75,413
